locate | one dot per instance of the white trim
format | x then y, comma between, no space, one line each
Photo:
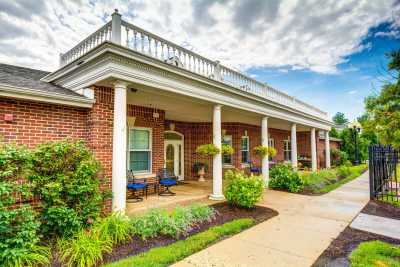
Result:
287,148
182,143
231,142
105,68
248,150
41,96
150,149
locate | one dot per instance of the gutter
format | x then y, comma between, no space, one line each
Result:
41,96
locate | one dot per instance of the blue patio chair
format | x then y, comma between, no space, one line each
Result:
166,179
134,185
254,169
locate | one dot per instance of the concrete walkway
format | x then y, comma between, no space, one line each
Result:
377,225
304,228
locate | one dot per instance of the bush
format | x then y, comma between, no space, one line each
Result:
241,190
178,223
282,176
339,157
116,227
150,224
18,224
84,249
65,175
343,171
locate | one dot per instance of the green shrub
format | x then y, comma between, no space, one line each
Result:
241,190
18,224
60,220
150,224
375,253
282,176
84,249
179,222
201,213
116,227
207,150
343,171
65,175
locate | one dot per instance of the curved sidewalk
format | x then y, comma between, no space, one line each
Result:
304,228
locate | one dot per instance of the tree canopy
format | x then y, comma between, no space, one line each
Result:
339,118
383,110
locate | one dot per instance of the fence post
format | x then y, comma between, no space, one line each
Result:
371,172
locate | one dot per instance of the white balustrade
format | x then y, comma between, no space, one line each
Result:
151,45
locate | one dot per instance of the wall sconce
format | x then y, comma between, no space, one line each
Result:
172,126
131,121
245,133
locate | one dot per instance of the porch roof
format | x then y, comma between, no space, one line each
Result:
141,41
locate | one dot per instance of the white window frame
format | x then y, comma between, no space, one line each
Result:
271,142
287,148
231,163
247,150
150,130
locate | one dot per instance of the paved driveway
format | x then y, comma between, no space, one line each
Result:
296,237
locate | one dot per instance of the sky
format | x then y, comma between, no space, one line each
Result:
329,53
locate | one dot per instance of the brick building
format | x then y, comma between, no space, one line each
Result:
145,103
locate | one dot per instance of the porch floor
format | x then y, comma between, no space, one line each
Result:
186,193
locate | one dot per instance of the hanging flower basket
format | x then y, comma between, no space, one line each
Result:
207,150
227,149
263,151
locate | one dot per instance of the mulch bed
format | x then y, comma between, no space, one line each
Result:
382,209
225,213
308,191
338,251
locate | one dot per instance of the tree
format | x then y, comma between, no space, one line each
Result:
339,118
334,133
383,109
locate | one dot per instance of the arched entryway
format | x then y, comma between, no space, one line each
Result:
174,153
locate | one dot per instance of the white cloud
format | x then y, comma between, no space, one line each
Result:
308,34
352,92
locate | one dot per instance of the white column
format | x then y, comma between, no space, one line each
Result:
327,151
119,148
313,151
116,27
217,160
264,142
293,142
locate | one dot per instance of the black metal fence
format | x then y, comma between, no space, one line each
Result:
383,180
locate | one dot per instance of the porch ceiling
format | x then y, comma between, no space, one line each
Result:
188,109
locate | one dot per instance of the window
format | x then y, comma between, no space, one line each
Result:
244,148
140,150
227,159
287,153
271,142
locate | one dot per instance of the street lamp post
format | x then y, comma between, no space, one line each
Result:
355,129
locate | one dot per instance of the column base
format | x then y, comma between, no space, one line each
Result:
216,197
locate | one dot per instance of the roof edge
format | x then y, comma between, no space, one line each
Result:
41,96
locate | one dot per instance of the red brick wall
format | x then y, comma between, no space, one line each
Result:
100,134
145,118
34,123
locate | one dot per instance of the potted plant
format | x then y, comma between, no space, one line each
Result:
227,149
207,150
263,151
200,168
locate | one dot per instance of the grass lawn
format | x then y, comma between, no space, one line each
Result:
375,253
324,181
164,256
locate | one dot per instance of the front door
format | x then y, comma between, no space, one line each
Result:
173,150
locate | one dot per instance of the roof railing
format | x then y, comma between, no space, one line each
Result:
126,34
